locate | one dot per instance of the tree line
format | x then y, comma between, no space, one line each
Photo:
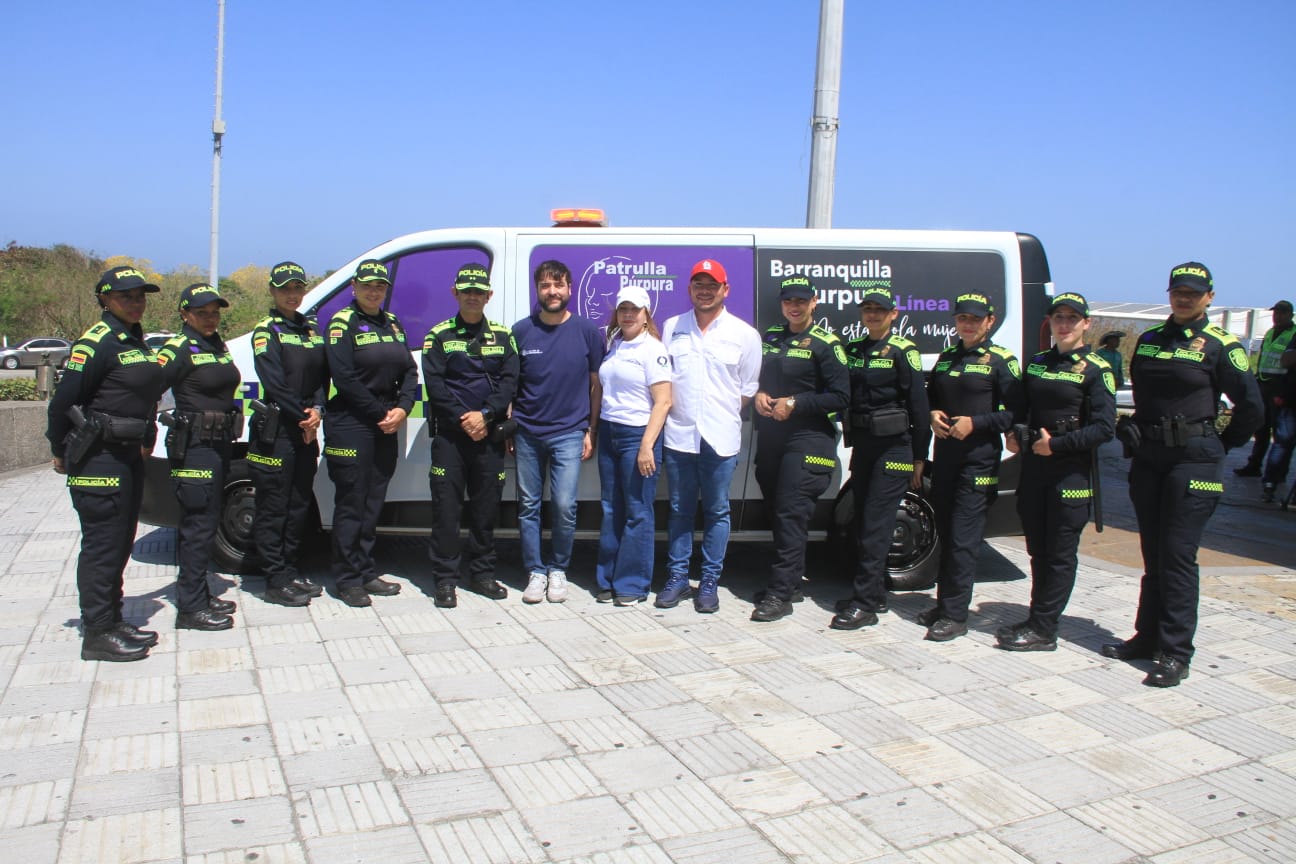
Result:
50,292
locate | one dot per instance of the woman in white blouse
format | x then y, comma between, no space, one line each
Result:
636,376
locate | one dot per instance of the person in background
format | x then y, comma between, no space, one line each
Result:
556,409
112,381
1179,369
1272,377
1278,460
197,368
804,384
888,427
283,447
377,385
715,369
1110,351
470,370
975,396
635,383
1070,396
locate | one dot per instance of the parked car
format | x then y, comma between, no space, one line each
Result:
32,353
157,340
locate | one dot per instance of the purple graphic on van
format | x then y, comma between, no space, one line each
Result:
599,272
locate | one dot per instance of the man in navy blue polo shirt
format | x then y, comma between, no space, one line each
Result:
556,409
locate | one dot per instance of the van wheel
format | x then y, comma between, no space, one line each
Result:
234,545
913,562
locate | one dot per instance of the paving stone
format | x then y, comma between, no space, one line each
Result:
517,744
66,672
889,688
750,705
824,835
1059,837
46,698
611,670
726,751
1058,732
221,711
33,804
541,679
1210,852
621,772
925,760
394,845
909,817
222,782
245,822
227,745
641,695
685,807
683,662
721,847
1274,842
767,792
313,734
1279,688
34,842
583,827
24,732
435,797
1213,810
440,754
646,854
995,746
1138,825
349,808
131,753
553,781
463,688
1061,782
278,853
1261,785
321,768
152,835
153,690
976,848
499,838
1243,736
841,664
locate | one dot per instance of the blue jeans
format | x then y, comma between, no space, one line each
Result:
625,557
561,454
689,474
1284,437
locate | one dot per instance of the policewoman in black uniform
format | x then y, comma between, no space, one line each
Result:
197,367
1178,370
803,382
376,385
1070,410
100,427
888,428
470,369
975,396
283,445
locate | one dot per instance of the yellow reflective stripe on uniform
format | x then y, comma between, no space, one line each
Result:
898,466
191,474
436,472
985,481
1076,494
1206,486
820,460
94,482
265,460
345,452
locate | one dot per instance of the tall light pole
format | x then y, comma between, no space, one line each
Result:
218,132
823,145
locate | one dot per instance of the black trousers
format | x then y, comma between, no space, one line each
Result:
107,488
880,472
965,481
199,485
460,464
361,461
1053,503
792,475
283,473
1174,491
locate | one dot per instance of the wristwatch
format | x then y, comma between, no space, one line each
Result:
791,403
487,415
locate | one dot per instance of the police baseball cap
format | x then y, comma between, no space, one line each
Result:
1193,276
712,268
200,294
372,270
124,279
796,288
879,295
1071,300
472,276
973,304
286,271
1282,306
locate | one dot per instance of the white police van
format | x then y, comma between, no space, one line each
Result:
925,270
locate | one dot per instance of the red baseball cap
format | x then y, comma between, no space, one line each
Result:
712,268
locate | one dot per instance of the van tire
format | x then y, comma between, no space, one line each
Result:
914,561
234,544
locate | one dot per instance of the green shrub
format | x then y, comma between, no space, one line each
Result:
18,390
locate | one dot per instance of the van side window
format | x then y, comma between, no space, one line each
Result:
420,295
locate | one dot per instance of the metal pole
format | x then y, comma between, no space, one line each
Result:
218,132
823,146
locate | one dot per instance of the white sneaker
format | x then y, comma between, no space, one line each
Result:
557,586
535,590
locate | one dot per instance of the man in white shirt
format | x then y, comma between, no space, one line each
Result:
715,360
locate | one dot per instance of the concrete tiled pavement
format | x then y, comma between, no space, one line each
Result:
499,732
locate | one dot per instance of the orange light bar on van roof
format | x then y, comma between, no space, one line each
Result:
578,217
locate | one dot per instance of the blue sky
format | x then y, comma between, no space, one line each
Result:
1128,136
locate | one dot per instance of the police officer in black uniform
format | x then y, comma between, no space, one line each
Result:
975,395
803,381
377,385
100,426
283,447
1070,410
197,367
470,369
1178,370
889,429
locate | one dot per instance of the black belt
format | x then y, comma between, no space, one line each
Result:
122,430
1171,433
